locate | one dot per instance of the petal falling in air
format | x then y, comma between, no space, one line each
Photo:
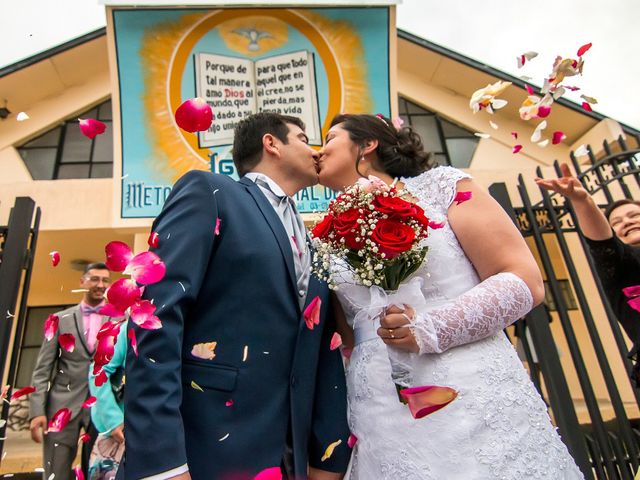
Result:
336,341
194,115
423,401
118,256
154,240
312,313
558,136
329,451
206,350
22,392
67,341
273,473
91,127
131,335
146,268
462,197
51,326
55,258
89,402
142,315
59,420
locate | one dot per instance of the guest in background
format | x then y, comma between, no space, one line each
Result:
613,237
60,376
107,414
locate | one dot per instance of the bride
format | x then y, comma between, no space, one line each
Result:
478,278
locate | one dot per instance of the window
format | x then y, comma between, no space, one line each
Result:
450,143
31,341
64,152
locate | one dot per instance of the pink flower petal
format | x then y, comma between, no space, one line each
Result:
217,229
558,137
84,438
153,240
273,473
78,471
55,258
123,293
91,128
110,310
142,315
194,115
59,420
105,345
346,352
462,197
397,122
516,148
631,291
50,326
436,225
312,313
118,256
131,335
101,378
544,111
425,400
67,341
635,303
352,440
529,89
514,135
146,268
5,392
89,402
336,341
587,107
22,392
583,49
229,403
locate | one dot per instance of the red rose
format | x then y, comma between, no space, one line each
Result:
347,227
395,206
323,229
393,238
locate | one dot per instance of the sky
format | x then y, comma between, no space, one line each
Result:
494,32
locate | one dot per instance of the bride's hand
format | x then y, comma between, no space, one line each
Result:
394,328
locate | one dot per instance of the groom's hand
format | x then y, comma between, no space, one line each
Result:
394,328
315,474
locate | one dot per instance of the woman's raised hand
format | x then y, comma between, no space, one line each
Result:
566,185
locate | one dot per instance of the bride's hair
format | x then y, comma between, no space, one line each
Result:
400,151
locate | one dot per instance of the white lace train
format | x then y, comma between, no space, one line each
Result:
498,427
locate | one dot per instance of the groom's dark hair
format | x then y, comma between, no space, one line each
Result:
247,137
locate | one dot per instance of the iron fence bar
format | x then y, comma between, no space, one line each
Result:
633,168
574,349
534,370
609,380
616,170
557,388
14,257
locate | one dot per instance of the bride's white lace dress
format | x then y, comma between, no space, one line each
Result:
498,427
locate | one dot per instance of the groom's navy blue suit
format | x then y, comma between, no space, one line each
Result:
236,288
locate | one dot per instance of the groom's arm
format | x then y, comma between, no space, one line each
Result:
154,432
329,423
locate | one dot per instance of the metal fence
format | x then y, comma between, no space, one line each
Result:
603,449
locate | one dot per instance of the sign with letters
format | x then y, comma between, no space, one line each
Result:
313,63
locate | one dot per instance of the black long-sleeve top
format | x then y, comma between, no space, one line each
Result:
618,266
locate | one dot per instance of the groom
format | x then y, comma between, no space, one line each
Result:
235,381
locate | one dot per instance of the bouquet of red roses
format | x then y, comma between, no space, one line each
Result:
375,231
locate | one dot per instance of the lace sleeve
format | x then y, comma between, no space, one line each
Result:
487,308
436,187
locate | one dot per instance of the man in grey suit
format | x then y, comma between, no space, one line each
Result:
61,377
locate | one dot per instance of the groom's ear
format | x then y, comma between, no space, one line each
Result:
270,144
369,146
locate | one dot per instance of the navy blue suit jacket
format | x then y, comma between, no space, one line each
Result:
237,289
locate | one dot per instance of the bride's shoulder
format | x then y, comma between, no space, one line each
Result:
436,183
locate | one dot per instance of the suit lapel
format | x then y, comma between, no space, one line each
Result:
79,322
275,224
